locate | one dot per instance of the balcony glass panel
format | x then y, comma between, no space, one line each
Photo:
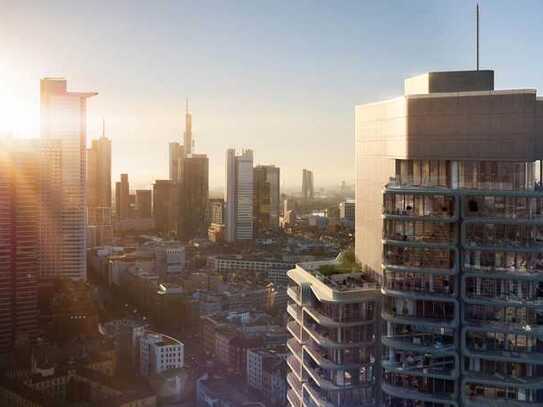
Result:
481,392
516,235
421,384
495,175
418,257
422,363
419,282
420,309
502,314
486,341
419,231
498,261
418,205
508,207
505,290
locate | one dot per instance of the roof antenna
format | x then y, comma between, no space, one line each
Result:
103,127
477,35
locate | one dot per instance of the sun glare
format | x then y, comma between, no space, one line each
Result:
18,118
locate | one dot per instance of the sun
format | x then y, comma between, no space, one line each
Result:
19,117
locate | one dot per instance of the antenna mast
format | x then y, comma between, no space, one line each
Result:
477,36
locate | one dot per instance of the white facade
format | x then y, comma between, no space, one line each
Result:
159,353
170,259
239,195
63,120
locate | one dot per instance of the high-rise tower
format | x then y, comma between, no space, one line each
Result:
449,219
266,197
308,188
239,195
187,139
19,243
63,121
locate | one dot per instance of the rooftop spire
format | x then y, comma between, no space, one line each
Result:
477,13
103,127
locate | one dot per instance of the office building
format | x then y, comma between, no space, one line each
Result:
449,219
122,198
144,203
159,353
216,211
165,206
266,198
99,192
188,142
19,243
193,196
63,121
177,154
308,188
239,195
334,328
266,373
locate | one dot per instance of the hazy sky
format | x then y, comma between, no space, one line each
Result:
280,77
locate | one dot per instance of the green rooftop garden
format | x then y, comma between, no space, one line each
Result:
346,264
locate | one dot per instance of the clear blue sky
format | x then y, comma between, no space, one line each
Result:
281,77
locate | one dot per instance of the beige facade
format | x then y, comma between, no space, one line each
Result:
501,125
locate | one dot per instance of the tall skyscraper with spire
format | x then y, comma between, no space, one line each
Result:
187,140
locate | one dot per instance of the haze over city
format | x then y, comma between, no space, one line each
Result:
271,204
281,78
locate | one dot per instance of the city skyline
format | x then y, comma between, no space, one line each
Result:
284,104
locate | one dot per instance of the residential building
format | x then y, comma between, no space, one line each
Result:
266,373
449,220
266,198
193,197
177,154
347,211
165,206
239,195
334,327
63,123
122,198
159,353
144,203
308,188
19,243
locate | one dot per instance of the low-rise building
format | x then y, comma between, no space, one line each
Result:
159,353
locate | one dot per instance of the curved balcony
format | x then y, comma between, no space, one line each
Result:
392,342
522,328
421,321
474,401
420,295
433,372
295,312
325,363
483,352
509,301
504,273
295,367
295,330
316,397
499,380
410,394
294,346
451,245
503,246
533,220
293,295
416,269
329,343
324,320
327,385
295,384
293,399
